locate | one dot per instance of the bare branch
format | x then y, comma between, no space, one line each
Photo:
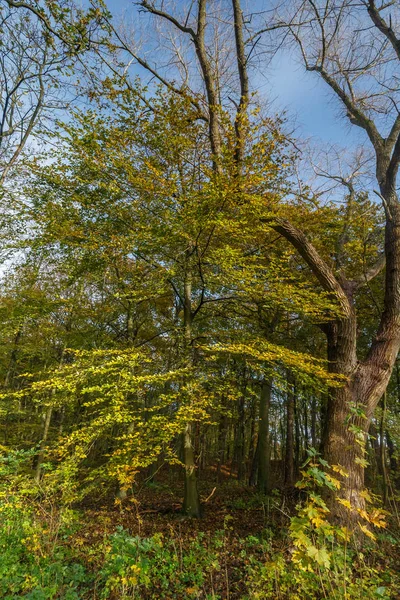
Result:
160,13
385,28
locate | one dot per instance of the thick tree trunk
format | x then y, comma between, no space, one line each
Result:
345,432
344,448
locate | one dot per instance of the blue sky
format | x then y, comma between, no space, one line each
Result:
313,107
310,106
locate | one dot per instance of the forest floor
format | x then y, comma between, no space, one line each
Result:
240,532
231,514
144,548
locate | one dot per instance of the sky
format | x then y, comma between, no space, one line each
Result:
309,102
311,107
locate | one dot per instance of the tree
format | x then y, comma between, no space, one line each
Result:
40,49
354,48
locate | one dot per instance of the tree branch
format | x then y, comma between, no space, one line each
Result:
372,271
383,27
160,13
356,116
321,270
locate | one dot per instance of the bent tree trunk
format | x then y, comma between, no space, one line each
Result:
351,407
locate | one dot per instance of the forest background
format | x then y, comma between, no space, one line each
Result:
200,309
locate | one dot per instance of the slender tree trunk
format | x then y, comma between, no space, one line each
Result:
253,476
289,445
305,418
375,455
240,436
13,359
46,428
382,451
314,421
40,456
191,501
297,430
222,435
253,445
263,474
391,451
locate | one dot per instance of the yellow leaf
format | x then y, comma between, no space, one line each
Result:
363,513
334,481
341,470
366,495
367,532
345,503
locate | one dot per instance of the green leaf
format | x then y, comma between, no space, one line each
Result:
320,555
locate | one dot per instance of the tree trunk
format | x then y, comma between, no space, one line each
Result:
40,456
253,445
289,445
345,430
382,451
240,436
191,501
297,445
222,435
314,421
263,454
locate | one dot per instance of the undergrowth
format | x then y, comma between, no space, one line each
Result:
43,558
47,553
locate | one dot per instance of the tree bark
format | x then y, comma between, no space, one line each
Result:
40,456
222,435
240,434
191,502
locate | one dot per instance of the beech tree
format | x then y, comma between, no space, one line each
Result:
354,48
234,181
